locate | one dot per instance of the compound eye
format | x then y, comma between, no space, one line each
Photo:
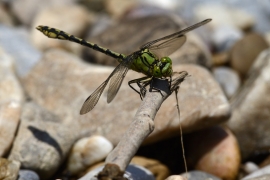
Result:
166,60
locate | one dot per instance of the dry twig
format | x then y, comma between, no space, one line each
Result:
141,126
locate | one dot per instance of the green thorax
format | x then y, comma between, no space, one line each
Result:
149,64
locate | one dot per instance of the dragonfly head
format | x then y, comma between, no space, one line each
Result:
166,66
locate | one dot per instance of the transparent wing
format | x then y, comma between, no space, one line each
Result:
117,79
166,48
92,100
169,39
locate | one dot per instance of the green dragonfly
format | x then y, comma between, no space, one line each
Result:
151,59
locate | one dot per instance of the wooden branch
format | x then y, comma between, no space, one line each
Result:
141,126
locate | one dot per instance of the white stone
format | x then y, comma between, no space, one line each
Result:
88,151
250,167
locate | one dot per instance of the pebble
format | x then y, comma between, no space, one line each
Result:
10,87
87,151
209,147
267,37
43,140
132,172
9,120
225,36
28,175
11,98
26,10
175,177
19,47
261,174
52,18
220,59
225,15
200,96
263,177
159,170
251,105
250,167
245,51
200,175
228,79
119,8
259,11
9,169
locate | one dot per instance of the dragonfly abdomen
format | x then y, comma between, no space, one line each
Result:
58,34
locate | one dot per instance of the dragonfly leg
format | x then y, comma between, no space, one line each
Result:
141,83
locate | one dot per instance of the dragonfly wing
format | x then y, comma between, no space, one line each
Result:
173,36
92,100
165,48
117,79
115,84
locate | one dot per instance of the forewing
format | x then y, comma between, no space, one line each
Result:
92,100
170,37
165,48
117,79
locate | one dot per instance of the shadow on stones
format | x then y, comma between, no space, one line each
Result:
46,138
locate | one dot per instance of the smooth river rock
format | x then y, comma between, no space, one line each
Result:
61,83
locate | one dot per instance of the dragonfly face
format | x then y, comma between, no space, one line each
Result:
149,64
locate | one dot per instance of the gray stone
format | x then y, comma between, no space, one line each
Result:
224,37
245,51
43,140
10,88
130,34
261,174
19,48
200,175
11,98
9,117
51,17
132,172
28,175
258,10
250,117
62,80
228,79
26,10
225,15
262,177
119,8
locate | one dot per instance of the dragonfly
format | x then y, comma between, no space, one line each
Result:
151,59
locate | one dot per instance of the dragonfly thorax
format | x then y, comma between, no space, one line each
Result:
150,65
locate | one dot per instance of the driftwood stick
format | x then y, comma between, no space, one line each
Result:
141,126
